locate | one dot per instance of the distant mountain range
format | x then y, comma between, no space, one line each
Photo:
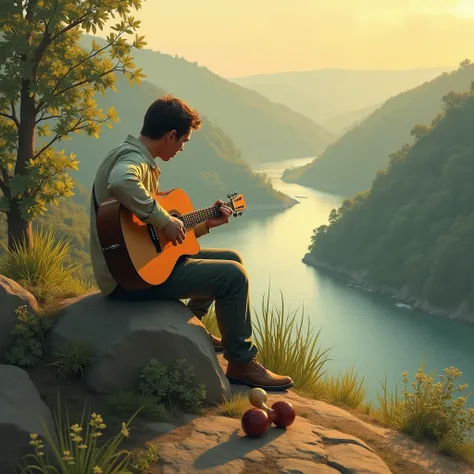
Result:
350,164
328,95
209,168
263,130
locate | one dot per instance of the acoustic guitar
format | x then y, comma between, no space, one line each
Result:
137,254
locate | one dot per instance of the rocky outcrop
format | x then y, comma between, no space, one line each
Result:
217,444
22,412
12,296
124,336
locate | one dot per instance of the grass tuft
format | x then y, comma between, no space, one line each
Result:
347,389
44,269
287,345
72,360
235,406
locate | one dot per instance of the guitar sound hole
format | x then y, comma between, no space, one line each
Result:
154,237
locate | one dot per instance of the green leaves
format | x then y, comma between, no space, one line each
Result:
44,64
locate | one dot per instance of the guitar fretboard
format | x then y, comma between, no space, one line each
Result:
192,219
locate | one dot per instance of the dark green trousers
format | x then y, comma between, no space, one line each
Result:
211,275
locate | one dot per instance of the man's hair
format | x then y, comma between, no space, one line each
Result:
169,113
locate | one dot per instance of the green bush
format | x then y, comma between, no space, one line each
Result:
29,339
431,410
160,389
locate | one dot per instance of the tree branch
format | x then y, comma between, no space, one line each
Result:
89,56
85,81
4,181
72,25
10,117
58,137
14,116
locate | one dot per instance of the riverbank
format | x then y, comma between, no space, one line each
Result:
359,278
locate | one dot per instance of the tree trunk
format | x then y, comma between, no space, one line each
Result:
19,230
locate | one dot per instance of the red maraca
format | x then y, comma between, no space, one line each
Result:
285,414
255,422
281,413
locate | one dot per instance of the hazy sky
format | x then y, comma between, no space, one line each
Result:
243,37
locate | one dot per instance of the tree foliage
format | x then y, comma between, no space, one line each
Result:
414,228
47,88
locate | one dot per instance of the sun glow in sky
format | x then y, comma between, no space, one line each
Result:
243,37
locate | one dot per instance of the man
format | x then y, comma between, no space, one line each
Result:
129,173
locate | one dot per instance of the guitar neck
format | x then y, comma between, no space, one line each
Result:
193,218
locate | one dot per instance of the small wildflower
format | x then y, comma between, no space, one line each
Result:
97,470
76,428
67,455
124,430
34,435
76,438
82,446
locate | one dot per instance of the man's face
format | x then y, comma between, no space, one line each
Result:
174,145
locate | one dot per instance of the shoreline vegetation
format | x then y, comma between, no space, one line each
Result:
403,296
431,407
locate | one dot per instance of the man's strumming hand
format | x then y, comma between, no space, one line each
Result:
225,211
174,231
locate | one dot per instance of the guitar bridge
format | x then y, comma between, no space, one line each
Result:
154,237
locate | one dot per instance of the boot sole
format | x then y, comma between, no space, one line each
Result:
218,348
268,388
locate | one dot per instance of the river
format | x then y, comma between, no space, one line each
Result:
362,329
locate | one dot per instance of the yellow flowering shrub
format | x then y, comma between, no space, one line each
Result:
78,451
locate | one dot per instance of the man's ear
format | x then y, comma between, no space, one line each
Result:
172,134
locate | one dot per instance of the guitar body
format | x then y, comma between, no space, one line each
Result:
134,259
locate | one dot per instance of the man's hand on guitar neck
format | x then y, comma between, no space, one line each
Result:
225,211
174,231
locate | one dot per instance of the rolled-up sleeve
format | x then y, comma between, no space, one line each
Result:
126,185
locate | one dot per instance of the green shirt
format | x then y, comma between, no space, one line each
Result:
129,174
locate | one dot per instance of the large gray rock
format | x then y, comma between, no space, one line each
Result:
12,296
22,412
124,336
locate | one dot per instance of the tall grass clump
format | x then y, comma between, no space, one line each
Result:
287,345
432,410
79,450
346,389
45,270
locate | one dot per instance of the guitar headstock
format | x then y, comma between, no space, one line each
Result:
237,203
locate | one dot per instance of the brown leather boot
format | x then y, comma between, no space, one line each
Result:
255,374
217,343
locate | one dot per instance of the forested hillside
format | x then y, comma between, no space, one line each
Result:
208,169
263,130
414,229
350,164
